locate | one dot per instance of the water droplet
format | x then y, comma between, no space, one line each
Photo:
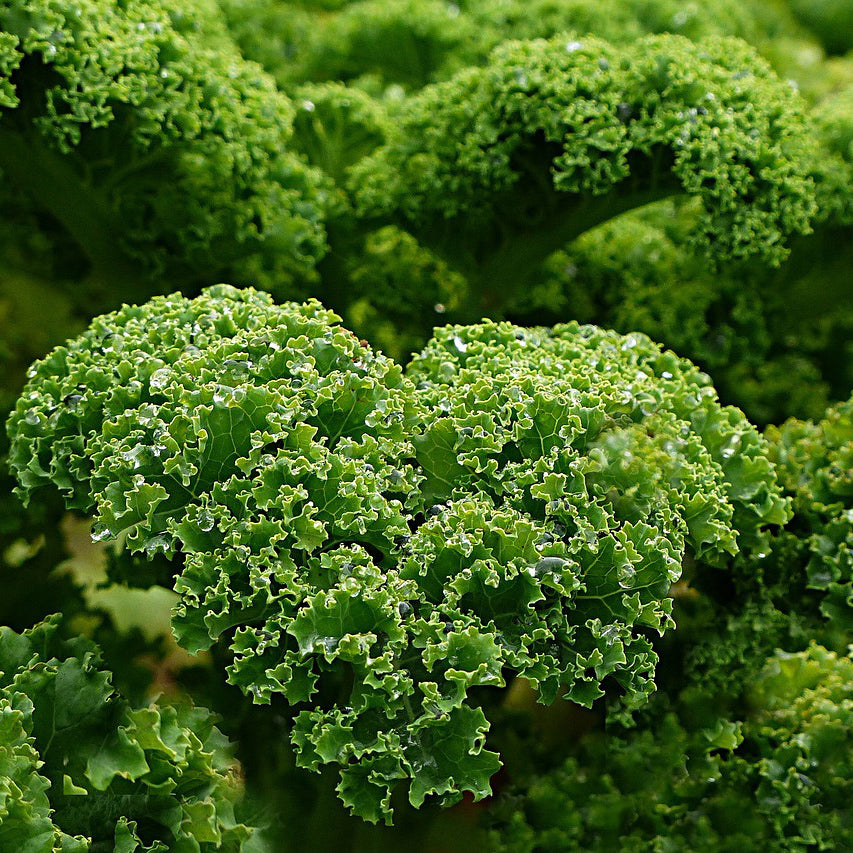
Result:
158,544
404,609
205,521
222,394
100,534
573,46
236,368
439,308
626,576
548,565
111,342
460,345
731,447
160,378
446,370
147,414
32,417
134,455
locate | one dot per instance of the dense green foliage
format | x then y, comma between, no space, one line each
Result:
778,780
815,465
154,149
572,571
524,508
81,770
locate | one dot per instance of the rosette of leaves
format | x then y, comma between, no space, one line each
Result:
784,770
146,148
385,551
625,461
264,445
498,167
80,770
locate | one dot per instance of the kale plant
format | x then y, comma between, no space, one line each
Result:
82,770
374,546
452,397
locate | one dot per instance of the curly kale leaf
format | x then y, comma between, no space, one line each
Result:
815,464
784,770
501,166
82,770
385,551
139,130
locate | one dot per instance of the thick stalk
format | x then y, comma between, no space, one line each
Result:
498,266
513,266
50,180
